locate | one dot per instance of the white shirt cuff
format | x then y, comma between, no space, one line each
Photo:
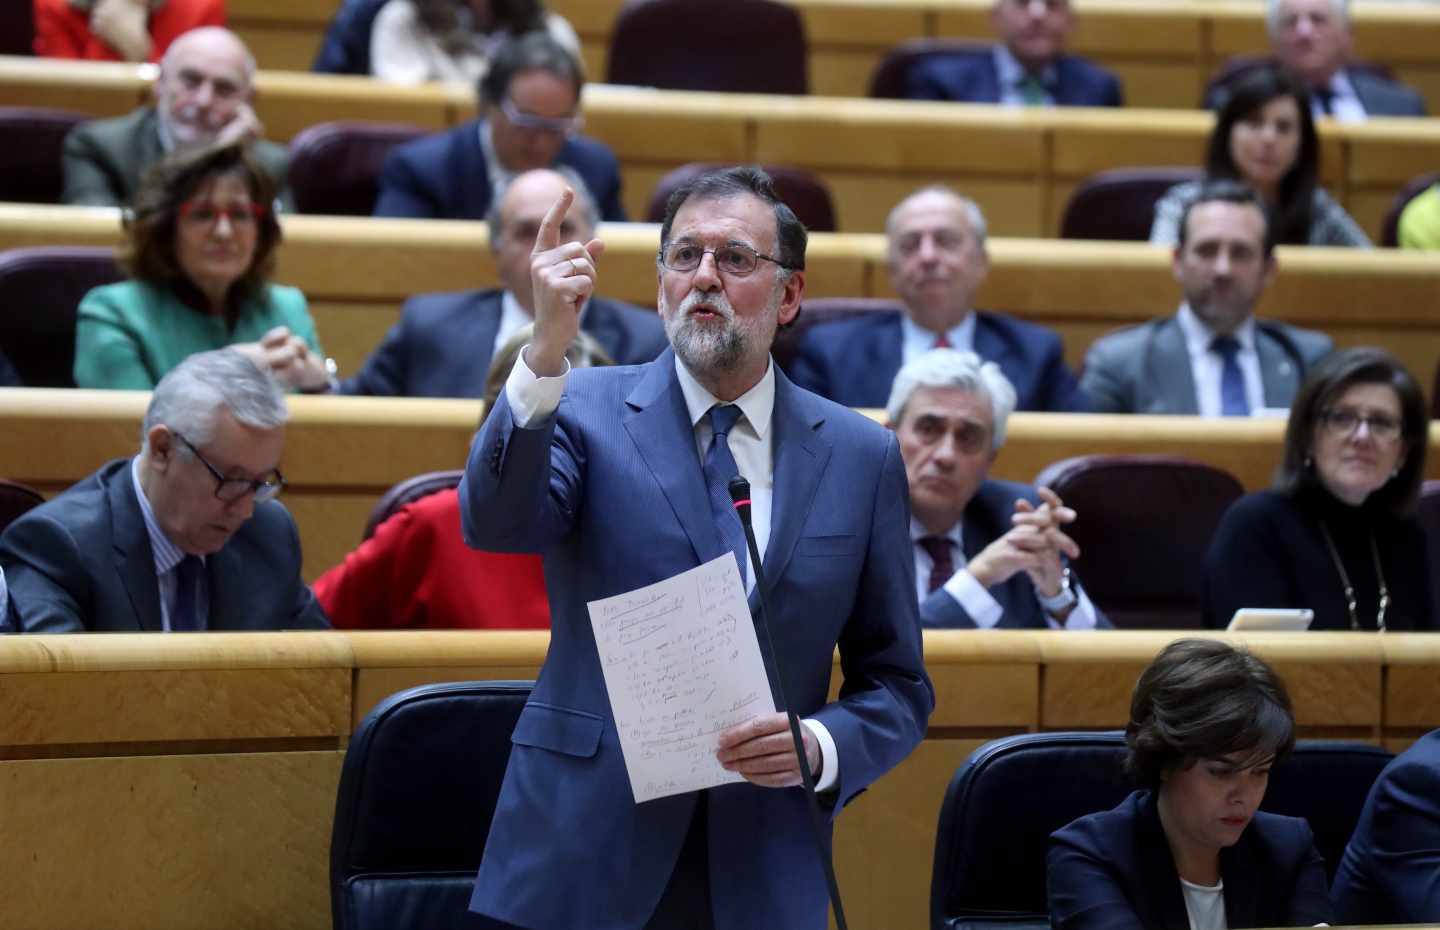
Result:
970,594
829,755
1081,618
532,398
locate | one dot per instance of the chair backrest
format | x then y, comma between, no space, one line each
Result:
1390,228
1428,513
999,811
802,191
1005,800
15,500
1145,522
889,77
1119,205
31,141
17,27
740,46
417,794
335,167
40,289
407,492
820,310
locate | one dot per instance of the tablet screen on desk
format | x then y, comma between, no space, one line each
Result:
1271,618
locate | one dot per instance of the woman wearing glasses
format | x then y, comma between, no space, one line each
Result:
200,251
1337,534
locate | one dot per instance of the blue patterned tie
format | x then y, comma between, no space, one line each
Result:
719,469
185,616
1233,402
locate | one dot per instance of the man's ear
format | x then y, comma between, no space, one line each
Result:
161,443
794,291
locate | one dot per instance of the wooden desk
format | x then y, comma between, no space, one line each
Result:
193,777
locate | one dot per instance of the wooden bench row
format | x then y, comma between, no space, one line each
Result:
1164,52
1082,289
191,779
1020,165
343,453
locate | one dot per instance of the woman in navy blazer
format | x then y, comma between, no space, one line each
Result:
1189,851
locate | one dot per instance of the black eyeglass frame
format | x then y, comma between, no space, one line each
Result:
740,246
266,490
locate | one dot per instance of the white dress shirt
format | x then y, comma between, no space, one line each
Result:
1206,365
167,557
1204,905
916,340
1345,105
752,444
1010,73
974,597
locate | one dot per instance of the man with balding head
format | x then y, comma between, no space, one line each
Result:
938,262
202,96
443,343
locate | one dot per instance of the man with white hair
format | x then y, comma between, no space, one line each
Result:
1312,38
185,536
988,553
202,96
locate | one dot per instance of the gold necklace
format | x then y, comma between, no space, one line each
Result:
1350,589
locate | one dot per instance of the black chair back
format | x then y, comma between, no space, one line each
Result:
407,492
335,167
1119,206
16,500
31,142
1326,782
40,289
417,793
1390,228
890,76
17,27
740,46
802,191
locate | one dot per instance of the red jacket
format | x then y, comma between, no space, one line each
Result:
61,31
417,573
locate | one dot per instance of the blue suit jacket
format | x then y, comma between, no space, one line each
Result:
1114,871
1390,873
444,176
443,344
83,561
970,77
987,518
610,489
853,362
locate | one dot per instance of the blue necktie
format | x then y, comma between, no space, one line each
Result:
719,469
185,616
1232,382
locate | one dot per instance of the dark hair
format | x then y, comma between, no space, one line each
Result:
149,252
724,183
533,51
509,16
1202,699
1227,191
1330,378
1289,220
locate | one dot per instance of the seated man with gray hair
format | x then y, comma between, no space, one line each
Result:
185,536
988,553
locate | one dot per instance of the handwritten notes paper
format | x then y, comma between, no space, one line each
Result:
681,663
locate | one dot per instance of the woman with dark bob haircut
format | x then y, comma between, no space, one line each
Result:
1190,850
200,252
1337,533
1265,137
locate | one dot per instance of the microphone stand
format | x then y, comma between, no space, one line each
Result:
740,496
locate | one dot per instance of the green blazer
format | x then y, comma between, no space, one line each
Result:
130,334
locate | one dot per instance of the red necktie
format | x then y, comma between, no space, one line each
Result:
942,564
941,342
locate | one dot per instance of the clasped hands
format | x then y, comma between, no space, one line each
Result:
285,356
1034,545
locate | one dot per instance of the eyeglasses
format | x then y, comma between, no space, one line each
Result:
733,258
207,213
231,490
1346,423
560,125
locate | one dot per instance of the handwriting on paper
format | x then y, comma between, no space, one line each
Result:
681,663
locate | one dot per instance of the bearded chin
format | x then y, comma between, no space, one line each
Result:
706,348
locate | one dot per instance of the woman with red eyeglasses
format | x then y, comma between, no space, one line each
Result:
200,251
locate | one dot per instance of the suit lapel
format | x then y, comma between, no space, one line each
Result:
1278,377
486,321
134,559
1239,872
1167,366
880,358
800,459
659,424
991,346
222,569
1160,877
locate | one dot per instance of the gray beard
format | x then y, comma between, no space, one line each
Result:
719,349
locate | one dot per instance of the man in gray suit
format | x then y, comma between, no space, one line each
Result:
1213,357
202,97
1312,38
186,535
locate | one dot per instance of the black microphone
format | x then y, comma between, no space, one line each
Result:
740,497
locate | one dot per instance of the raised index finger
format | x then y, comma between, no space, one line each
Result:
549,235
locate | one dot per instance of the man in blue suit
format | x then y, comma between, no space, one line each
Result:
601,470
937,263
988,554
529,99
1028,67
1390,873
443,344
